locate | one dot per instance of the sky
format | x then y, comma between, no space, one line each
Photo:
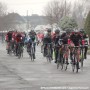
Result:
21,6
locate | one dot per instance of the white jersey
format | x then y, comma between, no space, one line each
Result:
87,41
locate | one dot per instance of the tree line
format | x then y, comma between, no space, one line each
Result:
67,15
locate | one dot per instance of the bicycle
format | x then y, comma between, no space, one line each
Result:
10,49
42,49
20,50
84,43
82,55
60,59
31,51
65,56
75,61
48,52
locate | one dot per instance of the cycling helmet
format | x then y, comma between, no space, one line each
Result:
76,32
57,31
83,32
48,30
68,32
32,30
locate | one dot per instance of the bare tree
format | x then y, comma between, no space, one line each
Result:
80,10
56,9
3,9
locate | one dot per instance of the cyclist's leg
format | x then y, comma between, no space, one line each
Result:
34,50
22,45
13,45
67,54
27,46
71,53
7,47
78,56
51,51
34,47
85,52
16,49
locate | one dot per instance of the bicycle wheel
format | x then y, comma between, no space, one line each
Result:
50,55
61,64
61,61
82,58
73,66
32,54
19,52
65,64
47,55
58,60
10,50
22,51
42,49
82,64
77,66
58,63
73,63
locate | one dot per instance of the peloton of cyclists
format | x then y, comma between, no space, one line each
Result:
47,39
72,38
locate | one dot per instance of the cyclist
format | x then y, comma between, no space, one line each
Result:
65,40
32,39
76,37
86,42
47,39
18,39
8,39
56,38
14,39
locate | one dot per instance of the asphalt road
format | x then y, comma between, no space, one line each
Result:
23,74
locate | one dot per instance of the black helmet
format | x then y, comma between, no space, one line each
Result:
57,31
48,30
82,31
32,30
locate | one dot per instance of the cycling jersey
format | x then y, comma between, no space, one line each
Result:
76,39
9,36
32,35
65,38
47,39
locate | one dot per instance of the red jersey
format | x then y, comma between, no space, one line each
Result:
18,37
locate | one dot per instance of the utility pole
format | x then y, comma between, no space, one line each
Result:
27,25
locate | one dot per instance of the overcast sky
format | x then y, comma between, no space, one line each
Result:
21,6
